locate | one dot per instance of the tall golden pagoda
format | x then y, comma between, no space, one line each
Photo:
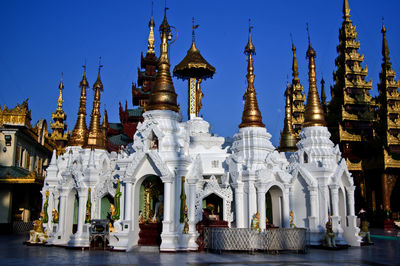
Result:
95,135
288,137
163,96
195,69
79,134
351,110
297,97
251,114
59,126
388,124
313,114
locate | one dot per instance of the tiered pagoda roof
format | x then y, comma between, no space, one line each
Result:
351,110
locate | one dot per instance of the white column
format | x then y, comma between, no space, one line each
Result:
62,212
313,201
191,208
350,200
239,205
83,196
167,208
335,199
261,206
252,196
285,208
128,201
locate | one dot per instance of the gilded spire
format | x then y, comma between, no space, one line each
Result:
95,136
59,126
295,67
79,134
150,47
314,114
251,114
163,96
288,137
60,95
346,10
385,47
105,126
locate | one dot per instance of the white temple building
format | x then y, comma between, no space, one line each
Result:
234,180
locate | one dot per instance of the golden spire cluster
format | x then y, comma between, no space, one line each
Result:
251,114
314,114
79,134
95,135
163,96
59,126
288,138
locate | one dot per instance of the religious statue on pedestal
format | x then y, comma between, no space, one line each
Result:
329,240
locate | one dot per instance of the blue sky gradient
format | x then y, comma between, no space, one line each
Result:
41,39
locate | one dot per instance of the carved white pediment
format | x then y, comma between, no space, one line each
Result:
211,186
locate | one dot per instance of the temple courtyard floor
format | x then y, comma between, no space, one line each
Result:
385,251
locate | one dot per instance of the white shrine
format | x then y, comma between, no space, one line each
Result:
144,181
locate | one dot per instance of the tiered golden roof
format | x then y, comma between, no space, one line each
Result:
351,110
20,115
79,134
288,138
314,114
95,135
59,126
251,114
163,96
297,97
389,101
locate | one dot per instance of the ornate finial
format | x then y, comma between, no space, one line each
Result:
250,49
295,67
163,96
193,28
314,114
310,52
288,137
150,47
60,95
385,46
79,134
251,114
346,10
98,84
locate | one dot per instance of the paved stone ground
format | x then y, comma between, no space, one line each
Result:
386,251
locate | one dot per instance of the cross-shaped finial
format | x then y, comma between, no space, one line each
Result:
193,28
250,27
100,65
84,66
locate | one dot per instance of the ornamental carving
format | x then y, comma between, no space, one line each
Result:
211,186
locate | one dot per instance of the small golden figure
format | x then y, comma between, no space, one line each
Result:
37,235
329,240
255,222
55,216
364,233
291,219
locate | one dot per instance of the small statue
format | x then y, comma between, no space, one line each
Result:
111,228
255,222
186,220
291,219
364,233
329,240
141,219
55,216
37,235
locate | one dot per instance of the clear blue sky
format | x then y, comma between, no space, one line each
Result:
41,39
